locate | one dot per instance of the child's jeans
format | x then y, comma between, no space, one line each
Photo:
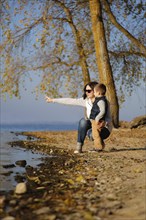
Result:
96,129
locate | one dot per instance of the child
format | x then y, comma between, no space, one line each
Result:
97,116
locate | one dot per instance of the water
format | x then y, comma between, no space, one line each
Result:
38,127
9,155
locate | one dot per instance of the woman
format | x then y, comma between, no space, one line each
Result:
85,124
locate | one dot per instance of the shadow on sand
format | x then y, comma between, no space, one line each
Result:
126,149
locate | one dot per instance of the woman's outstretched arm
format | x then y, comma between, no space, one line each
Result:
67,101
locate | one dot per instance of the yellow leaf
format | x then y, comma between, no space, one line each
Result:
68,201
88,216
70,181
81,179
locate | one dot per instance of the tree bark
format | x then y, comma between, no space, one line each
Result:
103,62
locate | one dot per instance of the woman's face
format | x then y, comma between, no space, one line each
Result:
89,92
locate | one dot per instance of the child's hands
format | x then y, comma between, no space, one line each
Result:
48,99
101,124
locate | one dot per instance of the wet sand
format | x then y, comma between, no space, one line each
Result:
109,185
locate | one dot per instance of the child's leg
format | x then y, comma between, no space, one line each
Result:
104,134
98,143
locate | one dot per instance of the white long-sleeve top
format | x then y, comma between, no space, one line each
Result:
87,104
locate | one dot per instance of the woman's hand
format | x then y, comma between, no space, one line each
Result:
48,99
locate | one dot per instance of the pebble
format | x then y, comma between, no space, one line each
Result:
117,180
21,188
111,197
21,163
8,166
43,210
2,201
40,188
49,217
7,173
103,181
13,202
8,218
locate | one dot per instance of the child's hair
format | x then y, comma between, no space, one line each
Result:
92,85
100,88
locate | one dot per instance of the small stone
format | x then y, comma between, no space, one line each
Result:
8,166
97,183
13,202
111,197
40,188
19,178
8,218
51,151
50,217
103,181
41,211
7,173
21,163
2,201
21,188
117,180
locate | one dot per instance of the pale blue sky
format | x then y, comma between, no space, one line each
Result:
28,109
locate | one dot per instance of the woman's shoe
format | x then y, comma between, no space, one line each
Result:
78,148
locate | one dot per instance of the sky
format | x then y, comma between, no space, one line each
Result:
30,110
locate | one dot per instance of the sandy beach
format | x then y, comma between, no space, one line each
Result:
109,185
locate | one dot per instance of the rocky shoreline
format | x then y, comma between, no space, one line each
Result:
89,186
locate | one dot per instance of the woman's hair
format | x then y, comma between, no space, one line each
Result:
92,85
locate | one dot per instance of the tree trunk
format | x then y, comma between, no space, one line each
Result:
103,63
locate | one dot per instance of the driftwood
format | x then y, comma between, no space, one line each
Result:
138,122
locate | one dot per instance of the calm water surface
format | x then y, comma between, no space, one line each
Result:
9,155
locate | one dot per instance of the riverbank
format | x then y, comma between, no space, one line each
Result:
91,186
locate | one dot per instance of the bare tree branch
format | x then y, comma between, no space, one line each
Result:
79,44
141,47
126,53
57,61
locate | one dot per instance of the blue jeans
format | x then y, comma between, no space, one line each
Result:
83,127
